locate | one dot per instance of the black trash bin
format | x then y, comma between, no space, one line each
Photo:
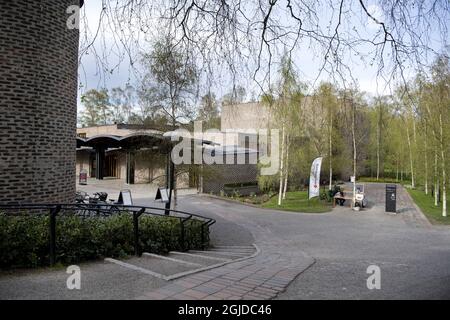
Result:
391,198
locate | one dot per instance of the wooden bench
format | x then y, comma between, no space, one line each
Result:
345,197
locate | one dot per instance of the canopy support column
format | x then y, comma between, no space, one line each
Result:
130,160
99,162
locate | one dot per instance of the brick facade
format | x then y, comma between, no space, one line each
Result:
38,98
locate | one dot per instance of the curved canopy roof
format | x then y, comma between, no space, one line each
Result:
134,141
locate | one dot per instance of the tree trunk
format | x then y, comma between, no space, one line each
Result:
378,143
354,153
280,192
426,159
174,187
444,178
436,179
410,157
287,168
330,151
396,174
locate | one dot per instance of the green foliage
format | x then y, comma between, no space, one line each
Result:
170,81
426,204
298,201
267,183
97,109
24,240
209,112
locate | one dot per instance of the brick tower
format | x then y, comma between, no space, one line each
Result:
38,100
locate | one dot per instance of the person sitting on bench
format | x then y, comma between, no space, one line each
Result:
338,190
341,201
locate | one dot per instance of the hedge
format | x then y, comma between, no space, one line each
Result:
24,240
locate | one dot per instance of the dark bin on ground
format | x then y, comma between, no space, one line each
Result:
391,198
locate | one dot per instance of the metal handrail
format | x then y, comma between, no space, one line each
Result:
136,211
90,205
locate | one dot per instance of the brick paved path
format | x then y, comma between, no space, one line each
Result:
406,207
257,278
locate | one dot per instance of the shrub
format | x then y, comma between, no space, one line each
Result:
24,240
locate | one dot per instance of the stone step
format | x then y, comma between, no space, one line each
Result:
196,259
250,251
177,264
175,259
159,266
217,254
234,247
201,255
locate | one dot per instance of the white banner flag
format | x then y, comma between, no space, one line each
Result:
314,178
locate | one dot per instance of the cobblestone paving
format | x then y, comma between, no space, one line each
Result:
258,278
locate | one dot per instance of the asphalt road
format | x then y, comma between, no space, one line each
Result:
413,256
331,252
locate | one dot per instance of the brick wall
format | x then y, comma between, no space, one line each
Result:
38,96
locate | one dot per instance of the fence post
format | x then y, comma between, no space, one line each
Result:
53,212
136,215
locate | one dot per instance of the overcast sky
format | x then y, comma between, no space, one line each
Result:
305,60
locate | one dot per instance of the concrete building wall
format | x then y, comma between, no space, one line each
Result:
38,101
255,115
83,162
252,115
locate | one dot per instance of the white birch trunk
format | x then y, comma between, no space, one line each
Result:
287,168
410,157
444,178
354,153
280,191
378,148
330,151
426,160
396,174
436,179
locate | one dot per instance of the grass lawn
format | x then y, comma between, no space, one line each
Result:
298,201
426,204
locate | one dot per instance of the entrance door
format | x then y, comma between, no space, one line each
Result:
111,166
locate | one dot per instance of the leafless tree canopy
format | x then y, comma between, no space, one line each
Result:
251,36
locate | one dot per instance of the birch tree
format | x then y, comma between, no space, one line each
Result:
441,83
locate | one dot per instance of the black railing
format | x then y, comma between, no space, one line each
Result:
103,209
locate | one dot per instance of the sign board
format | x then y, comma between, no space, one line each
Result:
162,194
352,179
314,179
125,198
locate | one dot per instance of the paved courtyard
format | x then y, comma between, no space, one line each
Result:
300,256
